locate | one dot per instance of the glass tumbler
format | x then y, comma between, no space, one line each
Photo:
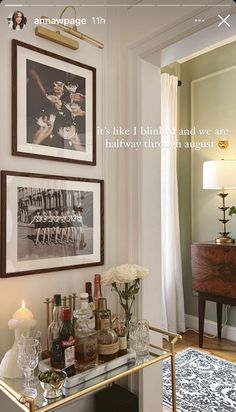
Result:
139,337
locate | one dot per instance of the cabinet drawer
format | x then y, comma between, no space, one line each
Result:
214,269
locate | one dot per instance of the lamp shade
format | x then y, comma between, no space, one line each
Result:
218,174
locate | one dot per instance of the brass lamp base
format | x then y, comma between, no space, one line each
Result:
224,239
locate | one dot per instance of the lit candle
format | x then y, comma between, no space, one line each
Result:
22,322
23,313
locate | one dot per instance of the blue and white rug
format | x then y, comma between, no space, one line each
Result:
204,383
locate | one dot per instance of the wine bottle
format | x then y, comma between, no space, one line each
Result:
54,345
88,289
67,340
97,290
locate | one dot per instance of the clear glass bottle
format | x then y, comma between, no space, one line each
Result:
54,344
84,306
108,344
97,290
67,340
85,341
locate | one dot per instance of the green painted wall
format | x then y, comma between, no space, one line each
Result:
206,64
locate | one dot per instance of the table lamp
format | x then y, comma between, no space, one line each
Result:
221,175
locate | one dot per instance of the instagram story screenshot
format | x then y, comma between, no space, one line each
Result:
118,205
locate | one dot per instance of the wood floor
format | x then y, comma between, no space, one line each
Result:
223,348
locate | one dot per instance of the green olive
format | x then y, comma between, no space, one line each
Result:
51,376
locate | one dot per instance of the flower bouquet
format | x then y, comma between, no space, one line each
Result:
125,280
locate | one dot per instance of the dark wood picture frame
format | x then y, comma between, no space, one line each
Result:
18,188
21,146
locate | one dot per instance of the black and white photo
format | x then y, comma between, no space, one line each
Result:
56,102
50,223
60,219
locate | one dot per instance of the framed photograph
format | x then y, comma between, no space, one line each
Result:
50,223
53,106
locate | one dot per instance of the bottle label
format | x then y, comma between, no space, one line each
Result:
108,349
56,353
92,306
86,351
122,342
68,347
69,356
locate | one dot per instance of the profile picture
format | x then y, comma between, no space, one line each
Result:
17,20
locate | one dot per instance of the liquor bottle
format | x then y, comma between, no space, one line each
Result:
108,344
54,345
85,341
88,289
97,290
86,308
101,312
122,337
84,301
67,340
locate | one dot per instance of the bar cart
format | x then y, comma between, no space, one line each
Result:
12,387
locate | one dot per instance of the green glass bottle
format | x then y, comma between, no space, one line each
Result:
67,339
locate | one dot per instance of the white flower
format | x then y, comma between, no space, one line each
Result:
124,274
142,272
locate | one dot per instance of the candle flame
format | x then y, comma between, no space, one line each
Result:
23,304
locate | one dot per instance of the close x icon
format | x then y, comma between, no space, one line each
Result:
224,20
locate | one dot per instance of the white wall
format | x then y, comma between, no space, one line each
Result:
144,23
149,81
35,288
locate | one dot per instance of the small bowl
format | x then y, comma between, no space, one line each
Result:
53,390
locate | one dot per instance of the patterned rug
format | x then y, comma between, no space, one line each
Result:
205,383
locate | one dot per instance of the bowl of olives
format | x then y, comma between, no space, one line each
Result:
52,382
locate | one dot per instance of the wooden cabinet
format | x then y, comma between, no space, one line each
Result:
214,269
214,278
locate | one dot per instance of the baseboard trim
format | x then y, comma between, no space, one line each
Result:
228,332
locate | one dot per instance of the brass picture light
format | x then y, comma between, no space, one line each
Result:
59,38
